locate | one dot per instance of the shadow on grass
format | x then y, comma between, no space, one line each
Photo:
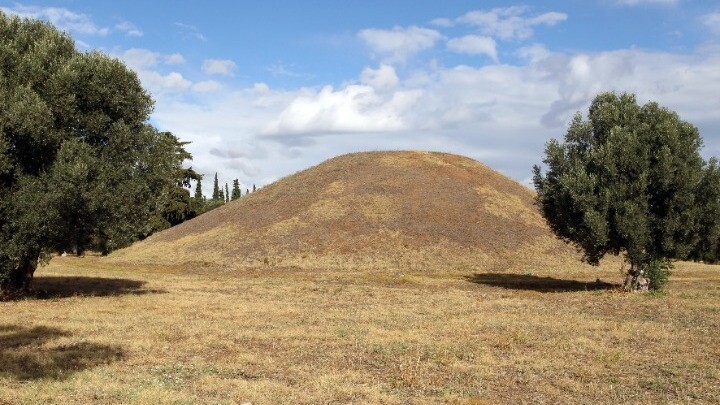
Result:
535,283
28,353
46,287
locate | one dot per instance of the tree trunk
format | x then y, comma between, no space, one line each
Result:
635,281
19,280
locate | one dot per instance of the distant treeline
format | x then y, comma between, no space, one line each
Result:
183,207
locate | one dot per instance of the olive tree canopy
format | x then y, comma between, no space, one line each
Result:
80,166
628,180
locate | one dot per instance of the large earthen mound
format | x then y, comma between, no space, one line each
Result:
373,211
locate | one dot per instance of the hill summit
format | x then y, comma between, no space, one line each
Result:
372,210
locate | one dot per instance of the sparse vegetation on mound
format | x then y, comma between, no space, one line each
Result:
376,210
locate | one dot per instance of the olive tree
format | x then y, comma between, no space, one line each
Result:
628,180
80,167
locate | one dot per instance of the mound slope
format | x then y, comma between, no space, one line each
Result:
371,210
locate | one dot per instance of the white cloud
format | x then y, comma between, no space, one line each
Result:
82,44
76,23
400,42
500,114
206,86
533,53
218,67
145,63
474,45
442,22
510,22
138,58
354,108
279,69
157,82
174,59
712,22
62,18
381,79
190,31
129,29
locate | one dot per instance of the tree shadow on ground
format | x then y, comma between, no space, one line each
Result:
28,353
535,283
47,287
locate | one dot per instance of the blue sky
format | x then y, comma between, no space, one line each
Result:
265,88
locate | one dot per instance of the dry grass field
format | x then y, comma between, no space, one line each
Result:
384,277
103,334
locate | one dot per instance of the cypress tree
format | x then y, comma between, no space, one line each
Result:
198,191
227,193
254,188
236,189
217,194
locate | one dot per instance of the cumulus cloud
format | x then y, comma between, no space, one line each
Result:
509,23
500,114
398,43
474,45
206,86
228,153
146,63
219,67
174,59
381,79
157,82
533,53
353,108
138,58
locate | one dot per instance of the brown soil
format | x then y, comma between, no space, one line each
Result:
411,211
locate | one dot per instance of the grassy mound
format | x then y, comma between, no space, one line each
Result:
404,211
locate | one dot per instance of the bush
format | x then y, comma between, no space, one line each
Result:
657,271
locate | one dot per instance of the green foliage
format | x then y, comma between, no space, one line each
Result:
200,205
707,248
80,167
657,271
174,207
198,200
198,190
212,204
236,193
174,204
227,193
217,193
627,180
